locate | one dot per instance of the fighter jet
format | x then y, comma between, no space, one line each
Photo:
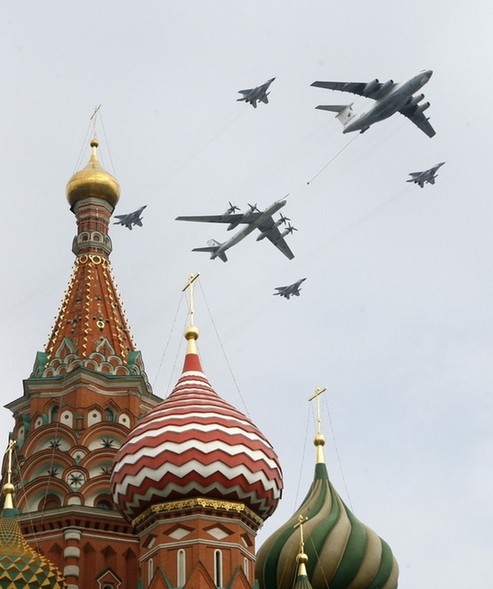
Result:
251,95
292,289
390,97
130,219
426,177
253,219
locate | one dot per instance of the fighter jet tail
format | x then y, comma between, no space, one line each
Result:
212,248
344,112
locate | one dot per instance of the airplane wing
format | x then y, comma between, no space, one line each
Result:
235,218
419,119
274,235
120,217
368,90
245,91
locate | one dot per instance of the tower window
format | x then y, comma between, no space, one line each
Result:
109,414
54,413
180,568
51,501
218,568
150,570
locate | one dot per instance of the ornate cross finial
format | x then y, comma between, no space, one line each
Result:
9,451
318,392
191,279
93,118
8,487
299,524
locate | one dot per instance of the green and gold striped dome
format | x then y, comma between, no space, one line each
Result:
21,567
342,553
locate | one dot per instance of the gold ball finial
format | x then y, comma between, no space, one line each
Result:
93,181
191,333
319,440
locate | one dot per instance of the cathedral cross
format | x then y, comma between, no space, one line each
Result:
299,524
9,451
318,392
191,279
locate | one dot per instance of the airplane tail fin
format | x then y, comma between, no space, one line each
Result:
212,248
345,112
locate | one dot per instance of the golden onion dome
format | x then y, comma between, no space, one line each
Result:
93,181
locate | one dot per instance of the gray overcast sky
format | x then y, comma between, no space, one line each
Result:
395,315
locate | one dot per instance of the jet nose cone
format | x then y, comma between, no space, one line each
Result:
428,73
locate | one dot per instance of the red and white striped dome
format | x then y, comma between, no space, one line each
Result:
194,444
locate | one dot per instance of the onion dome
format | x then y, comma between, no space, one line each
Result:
93,181
196,445
342,553
20,565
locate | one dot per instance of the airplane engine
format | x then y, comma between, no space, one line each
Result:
386,86
371,87
415,99
423,107
234,224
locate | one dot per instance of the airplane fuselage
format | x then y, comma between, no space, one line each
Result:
390,103
237,237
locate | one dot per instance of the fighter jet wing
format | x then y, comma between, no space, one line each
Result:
236,218
368,90
419,119
274,235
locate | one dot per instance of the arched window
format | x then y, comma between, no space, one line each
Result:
54,413
51,501
180,568
246,568
109,414
218,568
104,504
150,570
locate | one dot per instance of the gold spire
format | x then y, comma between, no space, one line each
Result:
301,557
191,331
319,440
8,488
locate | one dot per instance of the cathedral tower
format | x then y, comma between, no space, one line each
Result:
197,479
87,390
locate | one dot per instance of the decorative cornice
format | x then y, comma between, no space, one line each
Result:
198,502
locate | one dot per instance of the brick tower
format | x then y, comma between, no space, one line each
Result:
86,392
